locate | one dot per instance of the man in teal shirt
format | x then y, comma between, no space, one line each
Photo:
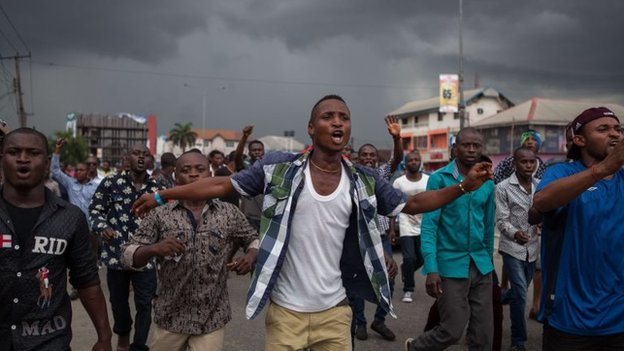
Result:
457,245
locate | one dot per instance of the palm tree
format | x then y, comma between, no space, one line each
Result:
182,134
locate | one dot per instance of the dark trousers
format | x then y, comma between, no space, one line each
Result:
358,303
433,319
144,287
412,260
466,301
556,340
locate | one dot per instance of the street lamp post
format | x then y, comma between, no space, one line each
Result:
204,96
204,112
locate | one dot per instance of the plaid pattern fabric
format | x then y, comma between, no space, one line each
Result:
384,222
280,177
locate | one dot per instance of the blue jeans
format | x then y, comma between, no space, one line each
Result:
520,274
144,287
412,260
357,303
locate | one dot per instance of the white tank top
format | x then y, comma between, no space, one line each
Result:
310,278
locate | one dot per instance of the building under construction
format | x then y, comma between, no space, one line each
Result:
110,135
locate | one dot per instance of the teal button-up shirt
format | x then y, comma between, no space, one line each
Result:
461,231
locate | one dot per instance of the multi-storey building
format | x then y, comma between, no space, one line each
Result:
424,128
110,135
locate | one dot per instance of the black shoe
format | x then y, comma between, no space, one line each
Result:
383,330
360,332
74,295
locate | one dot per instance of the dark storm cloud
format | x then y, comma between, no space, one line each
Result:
276,57
145,31
533,42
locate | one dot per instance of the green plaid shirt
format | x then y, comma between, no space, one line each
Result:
280,177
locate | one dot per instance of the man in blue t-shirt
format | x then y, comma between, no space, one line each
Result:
583,239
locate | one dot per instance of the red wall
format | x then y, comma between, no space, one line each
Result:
151,133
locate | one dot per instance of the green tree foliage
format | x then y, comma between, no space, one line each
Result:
182,134
75,150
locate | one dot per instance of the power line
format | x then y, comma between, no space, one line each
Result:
229,79
8,40
14,29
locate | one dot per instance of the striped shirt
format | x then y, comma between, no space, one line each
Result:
512,215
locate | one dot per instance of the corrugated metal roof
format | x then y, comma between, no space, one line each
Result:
544,111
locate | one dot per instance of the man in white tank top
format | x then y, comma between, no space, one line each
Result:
319,232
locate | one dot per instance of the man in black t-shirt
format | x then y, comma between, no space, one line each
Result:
41,238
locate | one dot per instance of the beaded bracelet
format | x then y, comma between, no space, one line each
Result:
158,199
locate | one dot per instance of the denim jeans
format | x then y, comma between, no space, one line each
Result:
412,260
357,303
144,287
520,274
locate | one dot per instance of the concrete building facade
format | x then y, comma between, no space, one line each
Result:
424,128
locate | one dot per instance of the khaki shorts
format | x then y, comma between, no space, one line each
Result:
164,340
288,330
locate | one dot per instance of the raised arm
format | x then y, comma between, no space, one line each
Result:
55,167
432,200
394,128
240,148
561,192
203,189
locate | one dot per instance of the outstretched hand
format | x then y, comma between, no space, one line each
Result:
143,205
478,174
394,127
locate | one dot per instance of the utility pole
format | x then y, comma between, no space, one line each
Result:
17,86
462,104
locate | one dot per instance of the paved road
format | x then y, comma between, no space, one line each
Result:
242,334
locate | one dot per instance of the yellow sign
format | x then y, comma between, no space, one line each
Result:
449,93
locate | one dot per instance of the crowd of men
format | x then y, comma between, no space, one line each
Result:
316,229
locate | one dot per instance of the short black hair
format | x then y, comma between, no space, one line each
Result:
466,130
522,149
324,98
31,131
215,152
365,145
167,159
255,142
192,151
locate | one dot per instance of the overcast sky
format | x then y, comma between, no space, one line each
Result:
266,62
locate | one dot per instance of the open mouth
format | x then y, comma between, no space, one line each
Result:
337,136
23,171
